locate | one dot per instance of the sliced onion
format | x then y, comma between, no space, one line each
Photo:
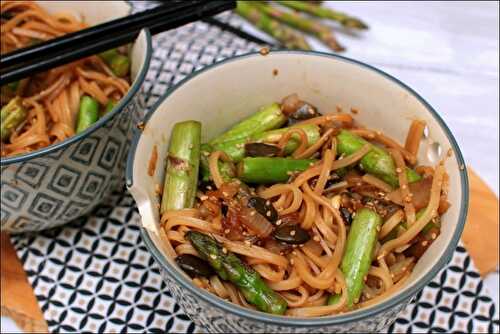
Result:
254,221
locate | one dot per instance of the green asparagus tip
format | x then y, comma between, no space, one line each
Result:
120,65
11,116
354,23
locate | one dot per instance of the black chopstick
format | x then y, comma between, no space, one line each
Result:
89,35
238,32
51,56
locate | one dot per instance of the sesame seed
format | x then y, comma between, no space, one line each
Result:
433,236
268,202
224,250
225,194
226,231
398,170
316,238
209,187
203,197
292,262
264,51
213,256
294,253
424,243
252,213
404,186
292,232
278,222
268,213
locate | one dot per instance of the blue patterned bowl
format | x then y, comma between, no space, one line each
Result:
221,94
59,183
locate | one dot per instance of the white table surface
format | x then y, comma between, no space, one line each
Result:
449,53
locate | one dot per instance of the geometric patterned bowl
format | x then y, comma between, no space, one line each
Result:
223,93
59,183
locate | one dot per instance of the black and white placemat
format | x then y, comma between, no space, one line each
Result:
96,275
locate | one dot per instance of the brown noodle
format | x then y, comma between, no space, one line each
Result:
51,98
308,274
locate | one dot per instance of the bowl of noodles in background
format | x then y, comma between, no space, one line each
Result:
56,167
328,82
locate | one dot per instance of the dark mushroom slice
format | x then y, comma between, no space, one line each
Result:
298,110
291,234
346,215
264,207
194,266
261,150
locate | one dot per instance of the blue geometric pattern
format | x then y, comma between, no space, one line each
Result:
96,275
54,189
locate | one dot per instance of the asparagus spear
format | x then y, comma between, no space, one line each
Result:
286,36
111,104
333,299
119,64
377,162
358,253
268,118
229,267
226,170
236,148
270,170
431,226
88,113
274,136
11,116
325,13
304,24
181,175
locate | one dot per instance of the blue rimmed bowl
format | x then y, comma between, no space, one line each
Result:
224,93
61,182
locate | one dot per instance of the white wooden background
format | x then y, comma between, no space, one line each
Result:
449,53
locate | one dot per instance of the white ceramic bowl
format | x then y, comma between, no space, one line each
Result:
226,92
62,182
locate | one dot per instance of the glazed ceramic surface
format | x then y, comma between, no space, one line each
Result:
57,184
221,95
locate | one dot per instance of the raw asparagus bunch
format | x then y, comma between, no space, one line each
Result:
229,267
276,21
295,20
286,36
325,13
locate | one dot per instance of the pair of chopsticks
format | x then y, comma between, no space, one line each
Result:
70,47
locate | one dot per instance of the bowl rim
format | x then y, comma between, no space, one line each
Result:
317,321
136,85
